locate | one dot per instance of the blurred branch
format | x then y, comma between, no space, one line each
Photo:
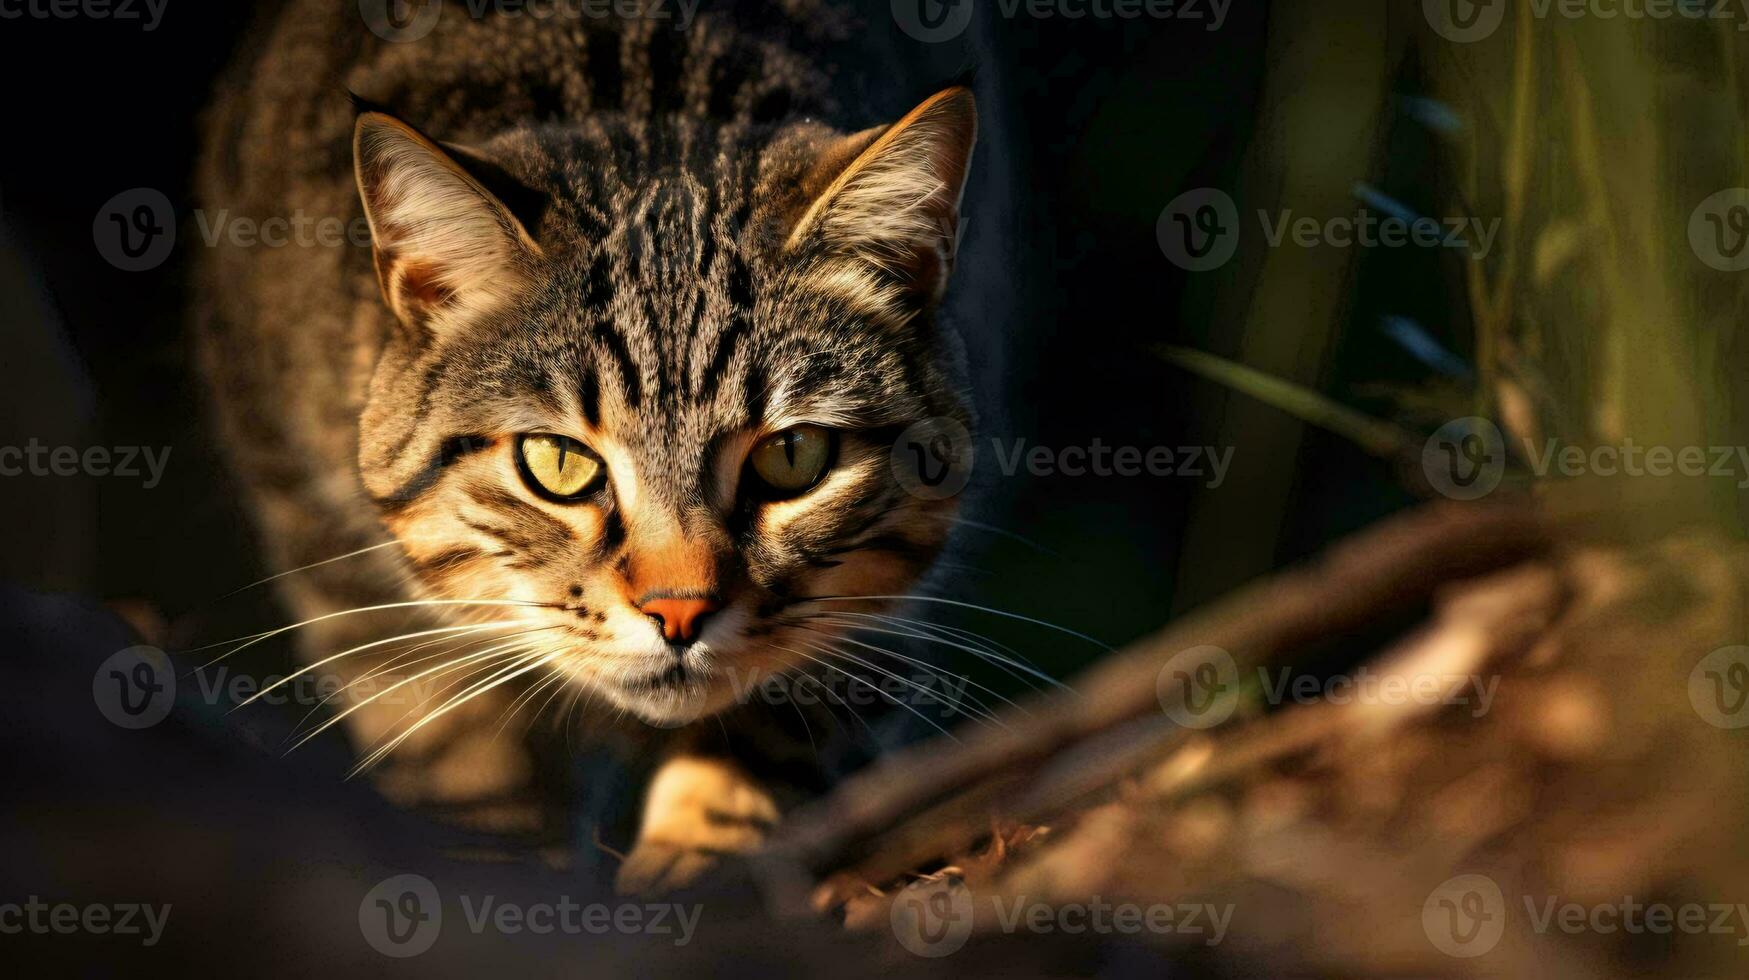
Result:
925,803
1374,435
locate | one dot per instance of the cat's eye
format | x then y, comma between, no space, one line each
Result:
558,467
789,463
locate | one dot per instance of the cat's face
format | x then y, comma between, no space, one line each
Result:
664,417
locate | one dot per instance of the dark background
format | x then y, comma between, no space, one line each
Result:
1098,124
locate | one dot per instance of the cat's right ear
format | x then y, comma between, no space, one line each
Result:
446,248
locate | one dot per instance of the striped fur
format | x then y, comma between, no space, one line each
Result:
642,238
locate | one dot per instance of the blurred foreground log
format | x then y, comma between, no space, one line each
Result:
1554,744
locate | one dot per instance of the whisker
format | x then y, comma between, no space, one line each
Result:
928,668
1014,668
876,688
842,703
848,707
993,529
526,697
400,662
955,602
517,668
314,564
448,665
557,689
471,628
412,604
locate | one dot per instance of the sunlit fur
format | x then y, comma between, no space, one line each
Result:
685,266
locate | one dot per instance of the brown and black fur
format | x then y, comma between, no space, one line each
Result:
684,262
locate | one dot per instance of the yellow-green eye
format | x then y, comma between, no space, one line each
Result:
789,463
558,467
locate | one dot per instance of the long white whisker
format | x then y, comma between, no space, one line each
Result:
419,603
963,605
471,628
929,668
1012,668
1004,532
399,662
448,665
314,564
526,697
876,688
522,665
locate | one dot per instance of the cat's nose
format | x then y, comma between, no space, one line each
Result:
681,619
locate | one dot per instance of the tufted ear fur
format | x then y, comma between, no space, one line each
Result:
894,208
446,248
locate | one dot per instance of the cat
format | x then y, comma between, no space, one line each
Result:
610,400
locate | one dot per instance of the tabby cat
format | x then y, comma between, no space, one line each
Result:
616,386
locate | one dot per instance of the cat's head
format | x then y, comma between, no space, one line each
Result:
649,377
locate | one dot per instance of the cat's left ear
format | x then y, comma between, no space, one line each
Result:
895,205
446,248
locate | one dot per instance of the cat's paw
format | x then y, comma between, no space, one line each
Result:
697,811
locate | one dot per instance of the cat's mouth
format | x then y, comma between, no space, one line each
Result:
674,678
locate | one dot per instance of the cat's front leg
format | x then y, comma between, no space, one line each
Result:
698,809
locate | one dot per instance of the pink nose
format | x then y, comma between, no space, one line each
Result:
681,619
